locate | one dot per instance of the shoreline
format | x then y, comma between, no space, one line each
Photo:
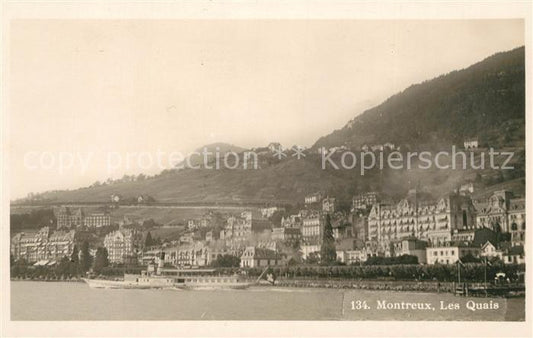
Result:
400,286
370,285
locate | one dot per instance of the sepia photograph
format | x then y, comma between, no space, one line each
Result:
245,169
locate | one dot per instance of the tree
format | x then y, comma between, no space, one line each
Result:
328,254
292,262
312,258
148,241
86,258
226,261
63,268
297,251
276,217
74,257
470,259
100,260
148,199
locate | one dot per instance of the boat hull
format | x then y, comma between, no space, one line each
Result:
235,286
109,284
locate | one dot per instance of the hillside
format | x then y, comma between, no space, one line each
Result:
486,100
210,149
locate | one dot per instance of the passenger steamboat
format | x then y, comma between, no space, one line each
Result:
158,277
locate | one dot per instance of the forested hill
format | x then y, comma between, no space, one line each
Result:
485,100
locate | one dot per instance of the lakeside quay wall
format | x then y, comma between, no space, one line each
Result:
435,287
471,289
373,285
422,286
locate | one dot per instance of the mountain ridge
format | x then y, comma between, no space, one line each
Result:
448,100
485,101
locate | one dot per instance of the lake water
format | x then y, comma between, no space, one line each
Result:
76,301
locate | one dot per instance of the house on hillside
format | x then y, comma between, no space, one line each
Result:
115,198
313,198
389,145
274,146
471,143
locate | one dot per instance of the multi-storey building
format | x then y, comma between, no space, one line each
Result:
342,227
517,221
354,256
97,220
412,247
501,212
450,254
288,235
121,245
312,232
292,221
313,198
328,205
269,211
243,227
359,229
68,218
431,221
42,245
259,257
493,212
312,227
364,201
194,254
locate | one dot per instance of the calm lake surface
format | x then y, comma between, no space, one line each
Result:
76,301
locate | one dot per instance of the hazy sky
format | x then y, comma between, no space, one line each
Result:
145,86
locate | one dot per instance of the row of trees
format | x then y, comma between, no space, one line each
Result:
472,272
403,259
124,179
35,219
